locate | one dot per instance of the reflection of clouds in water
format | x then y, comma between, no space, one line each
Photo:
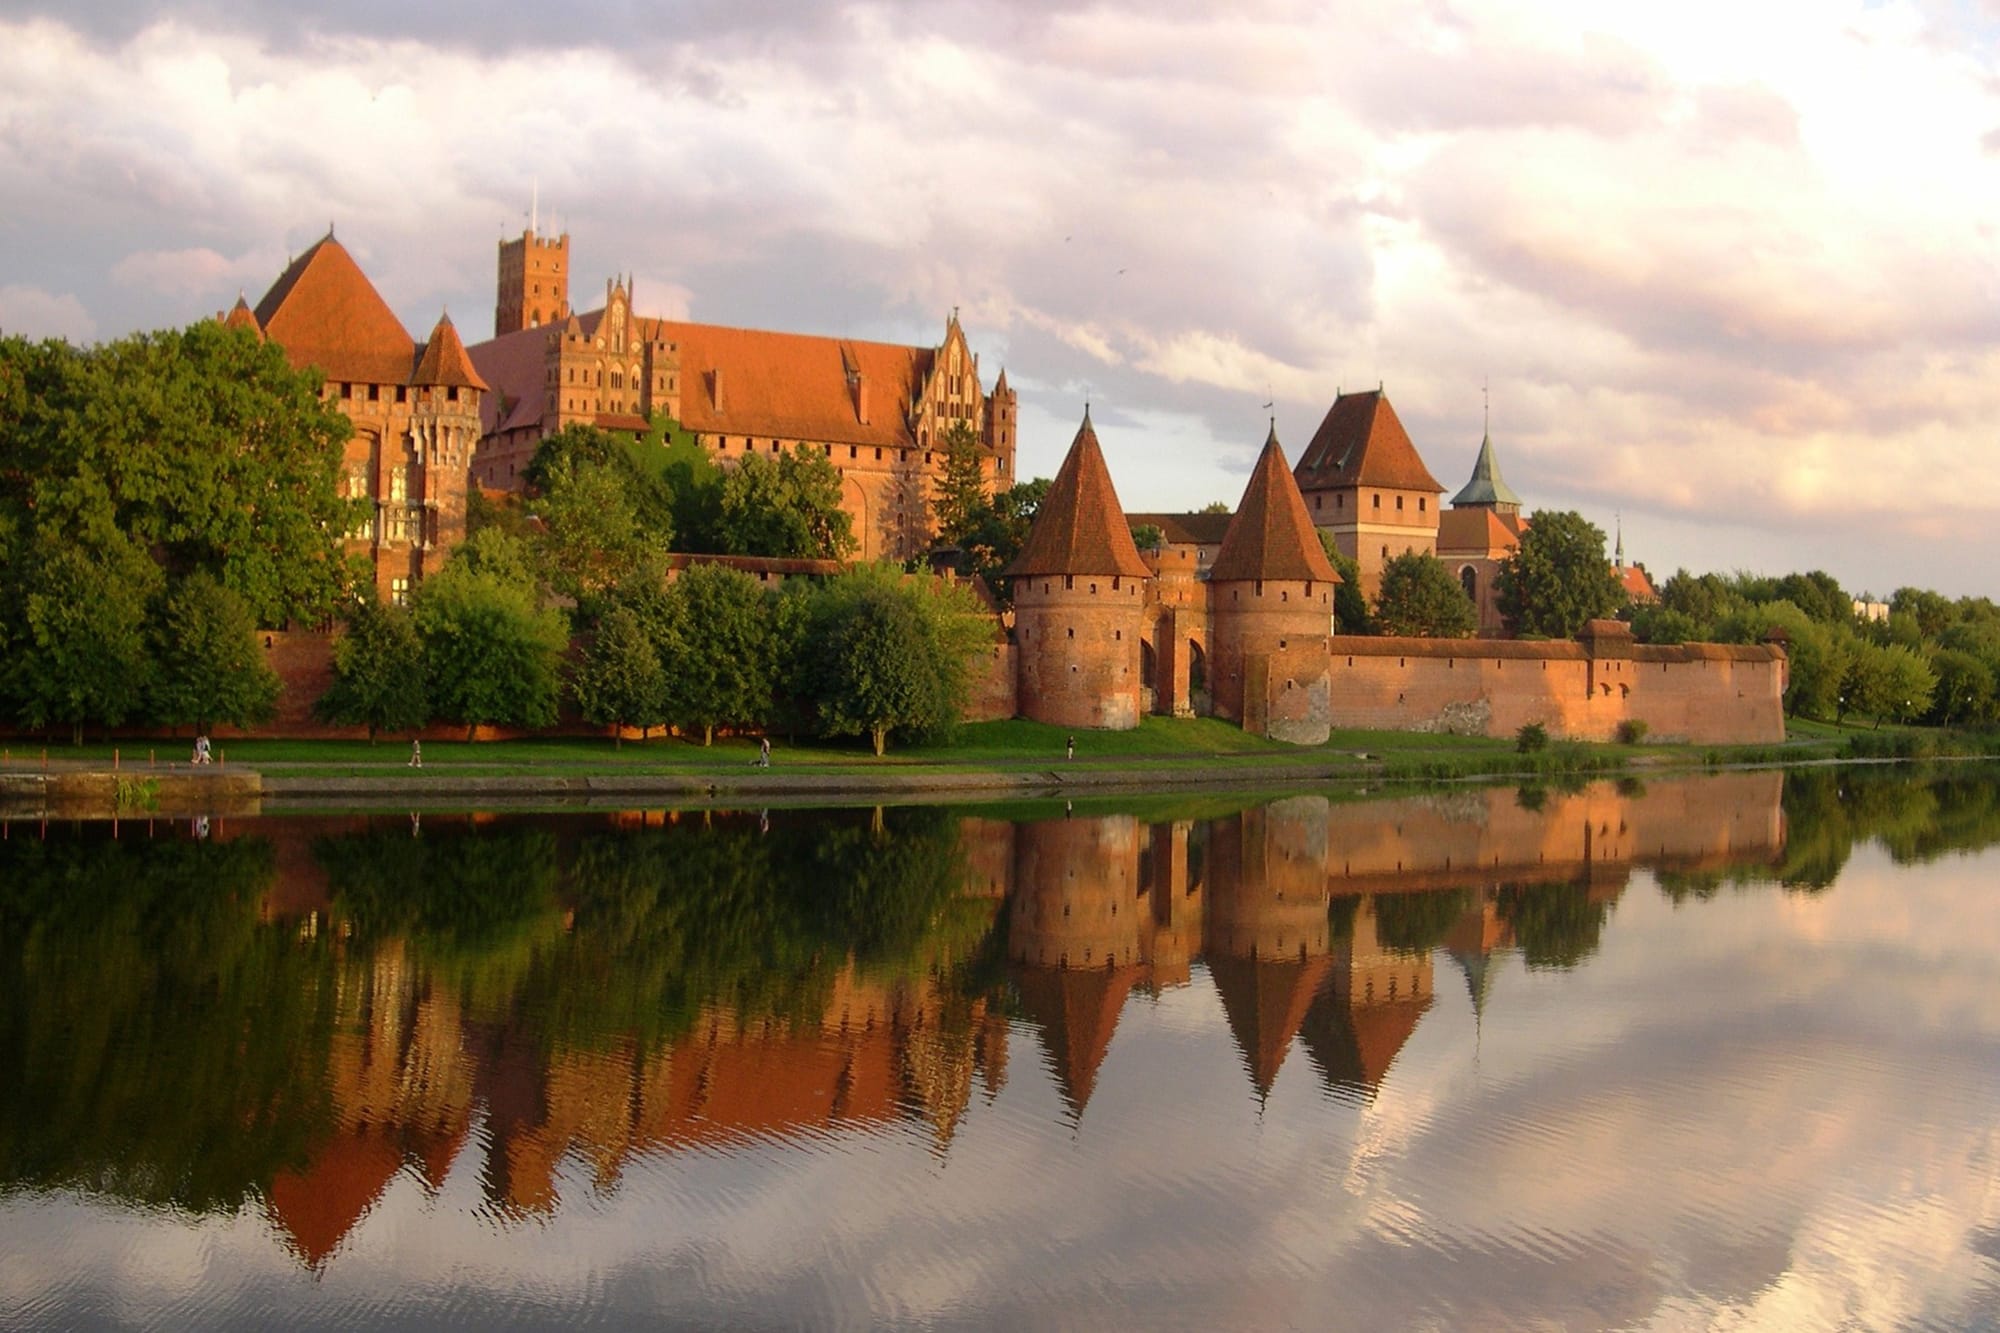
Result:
1719,1118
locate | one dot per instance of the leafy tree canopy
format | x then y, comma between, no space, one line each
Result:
1420,598
1558,579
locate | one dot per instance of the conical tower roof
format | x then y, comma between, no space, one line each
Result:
445,361
1075,1011
1486,487
324,312
1361,442
1080,528
1271,535
240,317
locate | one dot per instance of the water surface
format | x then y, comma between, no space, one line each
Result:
1707,1051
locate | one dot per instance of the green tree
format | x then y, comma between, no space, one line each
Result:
492,652
997,531
1819,653
723,665
1350,606
1819,595
1149,537
961,491
1663,624
593,535
1932,611
887,655
207,668
82,655
618,680
202,445
1558,579
379,679
1889,681
1965,690
1421,599
1215,507
789,508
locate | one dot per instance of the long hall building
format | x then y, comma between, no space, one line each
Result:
881,412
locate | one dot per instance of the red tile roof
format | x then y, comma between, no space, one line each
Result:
1185,529
1272,536
1636,584
515,366
324,312
1362,443
792,386
1265,1002
1478,532
1080,528
444,360
1076,1010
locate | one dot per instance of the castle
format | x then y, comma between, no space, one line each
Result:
1238,626
1104,635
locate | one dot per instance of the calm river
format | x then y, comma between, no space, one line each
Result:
1697,1052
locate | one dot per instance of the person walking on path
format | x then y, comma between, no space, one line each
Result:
416,752
1070,749
764,753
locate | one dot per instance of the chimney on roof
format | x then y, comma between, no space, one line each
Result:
860,383
715,388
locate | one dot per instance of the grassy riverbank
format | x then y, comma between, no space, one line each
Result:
1158,745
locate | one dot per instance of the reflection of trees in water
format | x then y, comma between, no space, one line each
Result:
166,1045
1917,816
160,1043
1556,925
1416,923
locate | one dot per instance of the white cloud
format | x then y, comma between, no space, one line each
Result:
33,313
1711,259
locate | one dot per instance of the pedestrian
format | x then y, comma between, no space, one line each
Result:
764,753
416,752
1071,749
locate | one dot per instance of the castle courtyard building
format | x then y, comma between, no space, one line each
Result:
881,413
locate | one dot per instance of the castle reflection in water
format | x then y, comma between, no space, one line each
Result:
609,1019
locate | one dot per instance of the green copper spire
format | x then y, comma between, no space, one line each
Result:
1486,487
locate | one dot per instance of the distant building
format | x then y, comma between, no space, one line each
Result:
880,412
1867,609
1482,528
1364,481
415,408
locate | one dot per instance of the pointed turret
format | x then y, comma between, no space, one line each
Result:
1271,535
1265,1002
241,317
1080,528
445,361
1486,487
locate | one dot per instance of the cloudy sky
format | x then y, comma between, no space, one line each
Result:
1728,269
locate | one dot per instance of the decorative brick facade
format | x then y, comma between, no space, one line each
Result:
415,408
880,412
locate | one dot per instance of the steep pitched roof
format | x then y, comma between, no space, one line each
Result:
1080,528
1486,486
1361,442
1272,536
445,361
324,312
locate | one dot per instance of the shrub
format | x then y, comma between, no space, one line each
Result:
1631,731
1531,738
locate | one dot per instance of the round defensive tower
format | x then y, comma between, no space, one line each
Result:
1080,600
1271,610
